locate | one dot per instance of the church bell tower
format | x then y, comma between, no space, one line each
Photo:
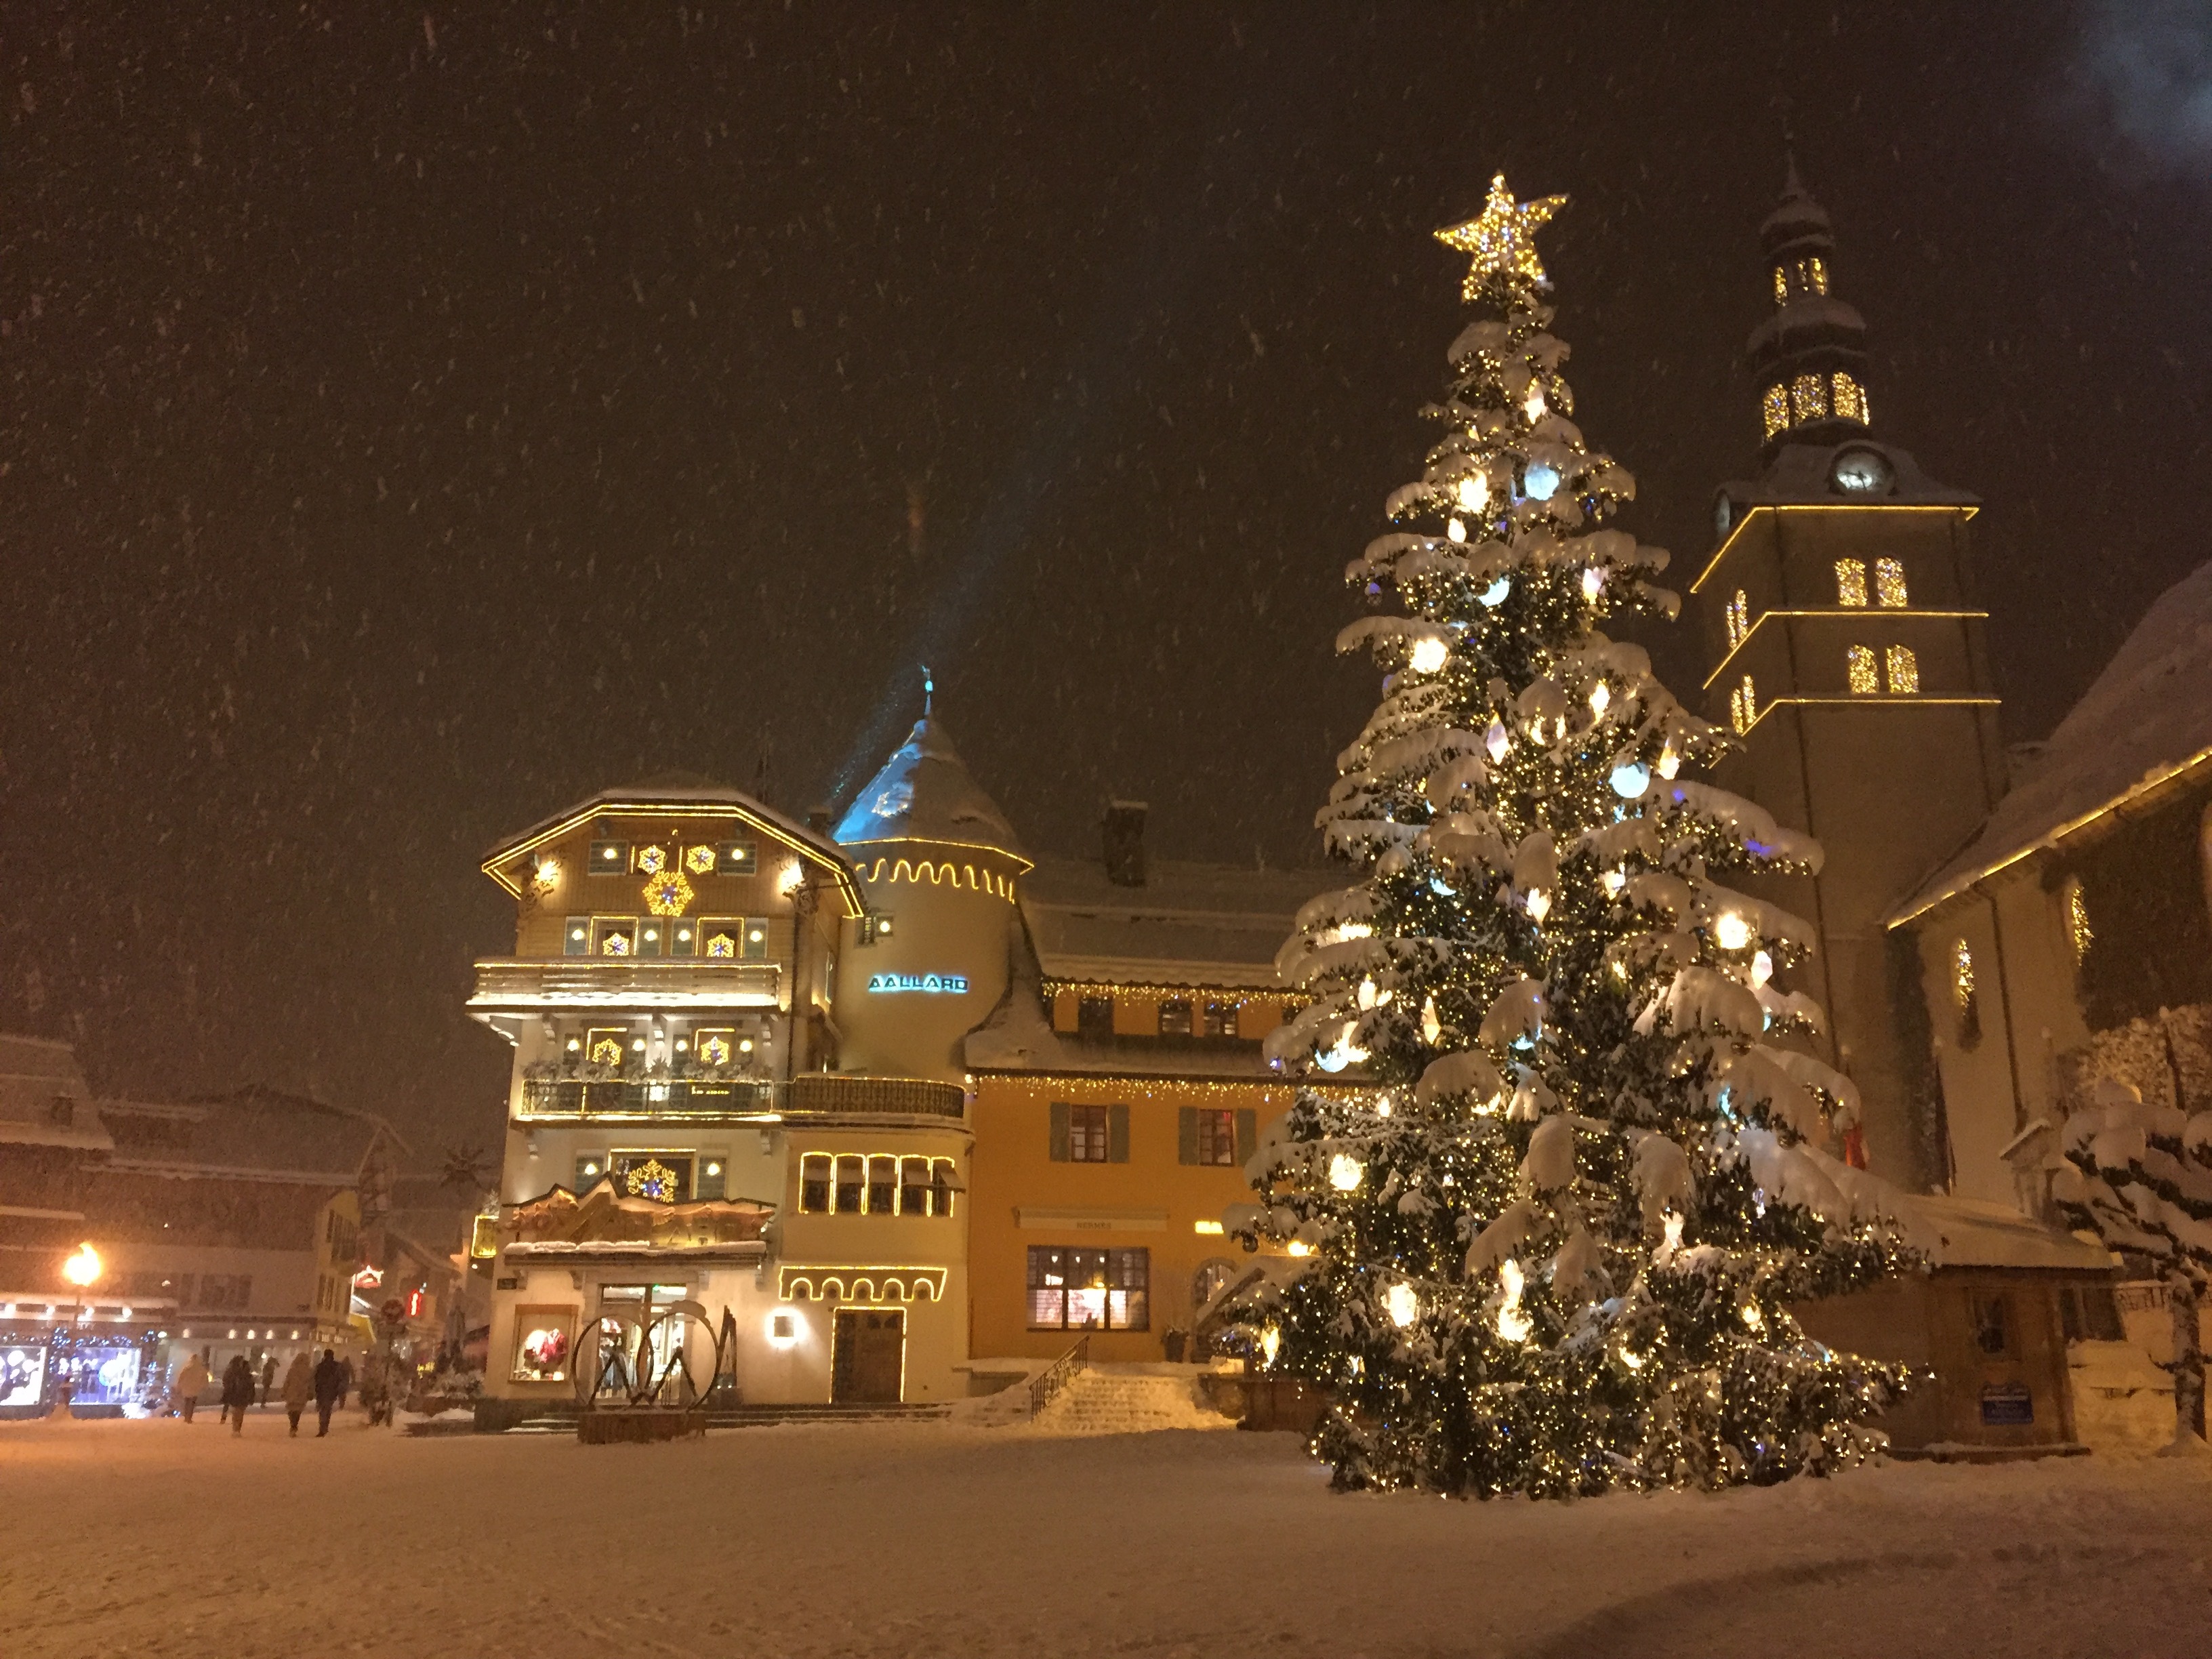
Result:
1848,658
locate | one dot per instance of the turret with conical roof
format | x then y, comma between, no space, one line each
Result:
938,863
1810,355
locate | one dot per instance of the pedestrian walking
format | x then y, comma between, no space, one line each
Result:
329,1389
299,1388
268,1379
191,1383
237,1391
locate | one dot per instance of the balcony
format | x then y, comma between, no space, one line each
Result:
520,985
812,1095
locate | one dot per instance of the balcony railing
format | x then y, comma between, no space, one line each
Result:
813,1094
520,984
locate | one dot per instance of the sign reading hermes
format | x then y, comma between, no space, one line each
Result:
947,984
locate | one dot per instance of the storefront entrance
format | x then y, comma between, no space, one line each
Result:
870,1361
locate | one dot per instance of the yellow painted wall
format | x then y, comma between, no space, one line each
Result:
1012,1168
1137,1014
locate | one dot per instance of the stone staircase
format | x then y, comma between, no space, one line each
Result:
1098,1400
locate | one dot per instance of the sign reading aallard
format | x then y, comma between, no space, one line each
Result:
936,984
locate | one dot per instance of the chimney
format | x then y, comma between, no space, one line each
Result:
1125,843
818,819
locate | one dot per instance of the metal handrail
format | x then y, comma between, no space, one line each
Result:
1056,1375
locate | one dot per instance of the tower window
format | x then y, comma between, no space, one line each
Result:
1859,668
1781,286
1774,407
1808,398
1738,619
2077,922
1814,274
1903,670
1743,707
1850,397
1851,582
1889,583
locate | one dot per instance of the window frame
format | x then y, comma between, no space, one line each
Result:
1090,1132
1121,1272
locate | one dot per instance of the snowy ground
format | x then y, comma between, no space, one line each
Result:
946,1538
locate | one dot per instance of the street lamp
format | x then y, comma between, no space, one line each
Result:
82,1270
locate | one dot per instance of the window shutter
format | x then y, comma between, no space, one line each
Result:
1187,1135
1248,1133
1117,1134
1060,1131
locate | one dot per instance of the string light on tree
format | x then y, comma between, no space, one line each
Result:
1607,1135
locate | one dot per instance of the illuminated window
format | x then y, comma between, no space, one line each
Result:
590,1168
1738,617
1904,671
1963,995
1220,1020
1889,583
576,940
1781,286
683,937
722,937
756,945
1088,1290
1850,397
1859,668
737,858
926,1186
1175,1018
2077,922
1743,705
1094,1018
713,1180
1774,407
814,1184
610,858
1813,273
663,1177
1851,582
883,1186
614,935
716,1046
1808,398
650,860
852,1183
606,1045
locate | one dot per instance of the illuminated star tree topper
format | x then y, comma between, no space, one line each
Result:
1503,240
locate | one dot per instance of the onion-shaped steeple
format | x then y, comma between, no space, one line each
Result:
1810,355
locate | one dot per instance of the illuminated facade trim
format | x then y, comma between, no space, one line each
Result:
847,885
1720,668
860,1283
1752,510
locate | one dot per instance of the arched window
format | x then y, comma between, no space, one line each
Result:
1851,402
1738,619
1808,398
1774,407
1781,286
1963,998
1743,707
1889,583
1851,582
1904,671
1859,669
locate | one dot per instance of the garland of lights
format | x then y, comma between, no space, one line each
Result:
1553,1250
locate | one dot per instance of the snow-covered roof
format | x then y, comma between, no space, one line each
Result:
36,1076
1200,924
1811,314
1799,475
264,1133
674,792
926,793
2146,721
1960,1232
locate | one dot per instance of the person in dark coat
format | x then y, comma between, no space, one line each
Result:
345,1386
237,1391
329,1387
268,1380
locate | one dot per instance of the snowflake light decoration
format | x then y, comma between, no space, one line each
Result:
652,1179
668,894
699,861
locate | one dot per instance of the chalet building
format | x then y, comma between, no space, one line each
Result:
808,1116
240,1224
1846,644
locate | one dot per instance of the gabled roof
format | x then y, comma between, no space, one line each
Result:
36,1074
260,1132
682,792
926,793
2145,722
1200,924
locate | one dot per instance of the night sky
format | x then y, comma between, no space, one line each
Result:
413,422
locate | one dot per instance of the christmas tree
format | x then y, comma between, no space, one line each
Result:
2139,1176
1555,1230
